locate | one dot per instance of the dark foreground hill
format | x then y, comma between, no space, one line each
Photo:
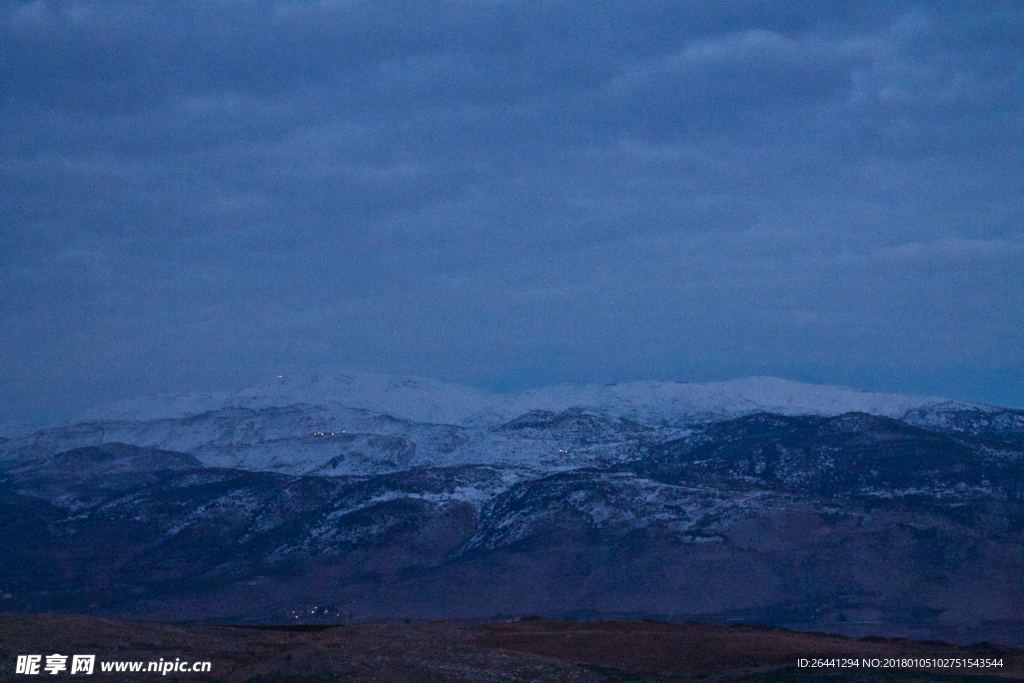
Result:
522,650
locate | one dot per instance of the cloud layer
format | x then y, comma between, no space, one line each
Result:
509,194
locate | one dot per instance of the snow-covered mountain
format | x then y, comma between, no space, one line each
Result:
425,400
757,499
366,423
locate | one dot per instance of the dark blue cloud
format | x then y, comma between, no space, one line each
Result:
509,194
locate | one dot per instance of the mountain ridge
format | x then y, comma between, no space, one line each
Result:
427,400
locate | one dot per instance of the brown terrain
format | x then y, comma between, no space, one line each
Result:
521,650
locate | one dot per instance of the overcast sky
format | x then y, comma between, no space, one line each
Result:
204,195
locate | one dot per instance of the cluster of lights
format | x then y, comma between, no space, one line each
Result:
315,611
